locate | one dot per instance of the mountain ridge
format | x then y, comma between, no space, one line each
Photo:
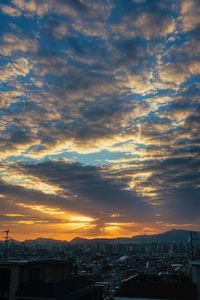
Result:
167,236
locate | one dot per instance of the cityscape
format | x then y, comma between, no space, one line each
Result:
113,268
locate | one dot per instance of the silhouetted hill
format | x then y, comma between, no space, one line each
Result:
78,240
169,236
118,240
43,241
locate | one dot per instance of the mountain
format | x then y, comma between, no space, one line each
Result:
45,242
12,241
169,236
118,240
78,240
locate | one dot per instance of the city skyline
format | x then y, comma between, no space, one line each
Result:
99,119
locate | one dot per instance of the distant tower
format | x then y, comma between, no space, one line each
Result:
192,239
6,244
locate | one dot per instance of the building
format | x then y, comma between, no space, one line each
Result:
196,275
44,279
151,287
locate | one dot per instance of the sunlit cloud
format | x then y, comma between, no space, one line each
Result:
190,14
73,221
16,177
177,225
12,43
14,215
81,219
19,68
26,222
11,11
43,209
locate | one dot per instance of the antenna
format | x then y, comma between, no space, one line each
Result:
6,244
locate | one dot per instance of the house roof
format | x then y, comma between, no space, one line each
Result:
157,290
32,261
52,290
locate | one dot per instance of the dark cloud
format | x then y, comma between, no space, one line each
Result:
93,190
79,6
20,137
151,19
176,182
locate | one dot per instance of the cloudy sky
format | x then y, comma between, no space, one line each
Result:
99,117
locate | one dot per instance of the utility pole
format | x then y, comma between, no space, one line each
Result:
6,244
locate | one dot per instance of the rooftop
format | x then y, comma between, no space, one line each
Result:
32,261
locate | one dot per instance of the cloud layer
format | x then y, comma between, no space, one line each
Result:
99,120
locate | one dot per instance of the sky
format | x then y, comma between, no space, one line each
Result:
99,117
